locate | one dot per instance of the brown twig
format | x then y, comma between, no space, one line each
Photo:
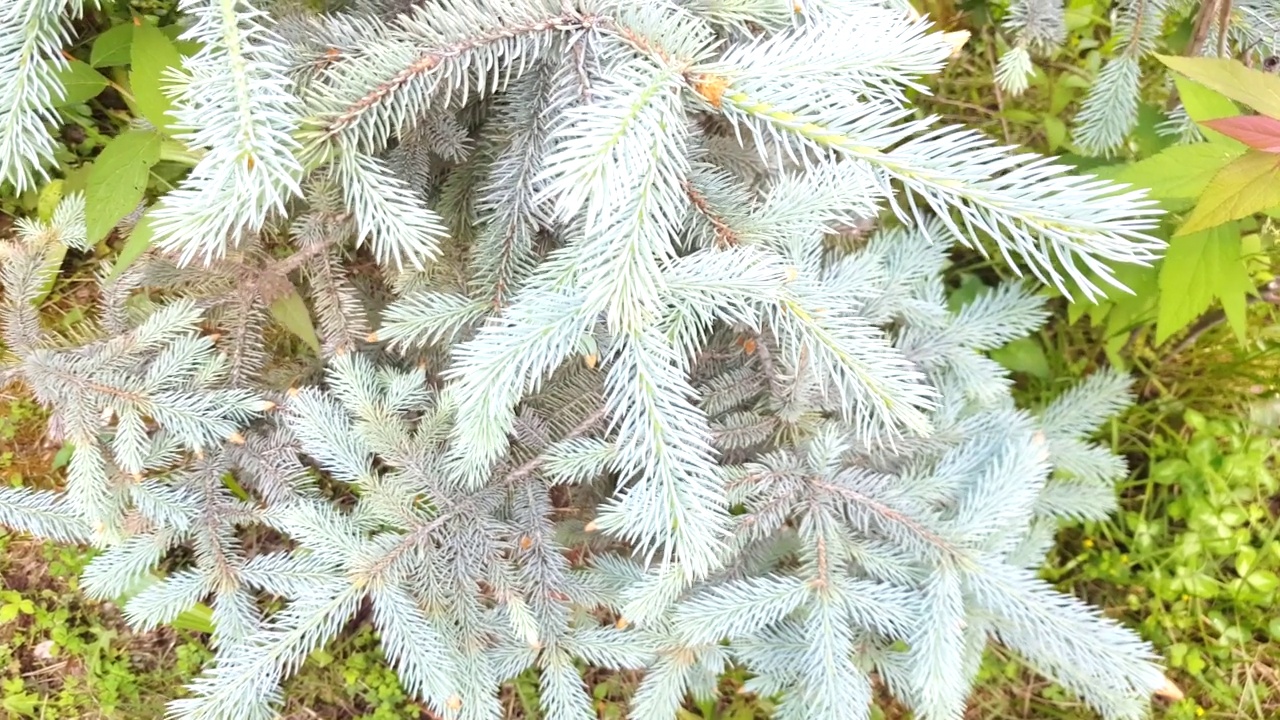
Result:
1004,122
1204,21
430,60
1199,34
424,531
1224,25
725,234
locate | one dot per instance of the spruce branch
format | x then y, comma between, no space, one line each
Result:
32,33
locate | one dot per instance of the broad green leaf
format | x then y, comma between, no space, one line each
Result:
22,703
1055,131
1247,185
77,179
1098,313
112,48
1024,355
1246,558
1146,134
1235,306
139,240
291,312
1203,104
80,83
62,457
186,48
1264,581
1181,171
1196,269
150,55
1257,89
1234,287
119,179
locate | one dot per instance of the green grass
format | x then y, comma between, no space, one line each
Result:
65,657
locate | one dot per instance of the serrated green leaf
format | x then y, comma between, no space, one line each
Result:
1198,268
150,55
1247,185
291,312
1234,287
1181,171
22,703
1236,308
139,240
80,83
119,179
1257,89
112,48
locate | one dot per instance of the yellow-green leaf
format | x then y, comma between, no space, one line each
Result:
197,618
1235,307
112,48
1247,185
1203,104
50,196
1257,89
80,83
1181,171
150,55
1198,268
291,312
139,240
1055,131
53,258
119,179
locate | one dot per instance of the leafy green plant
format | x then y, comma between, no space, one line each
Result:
64,659
1219,191
1194,558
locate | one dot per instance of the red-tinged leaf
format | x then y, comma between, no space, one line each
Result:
1257,131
